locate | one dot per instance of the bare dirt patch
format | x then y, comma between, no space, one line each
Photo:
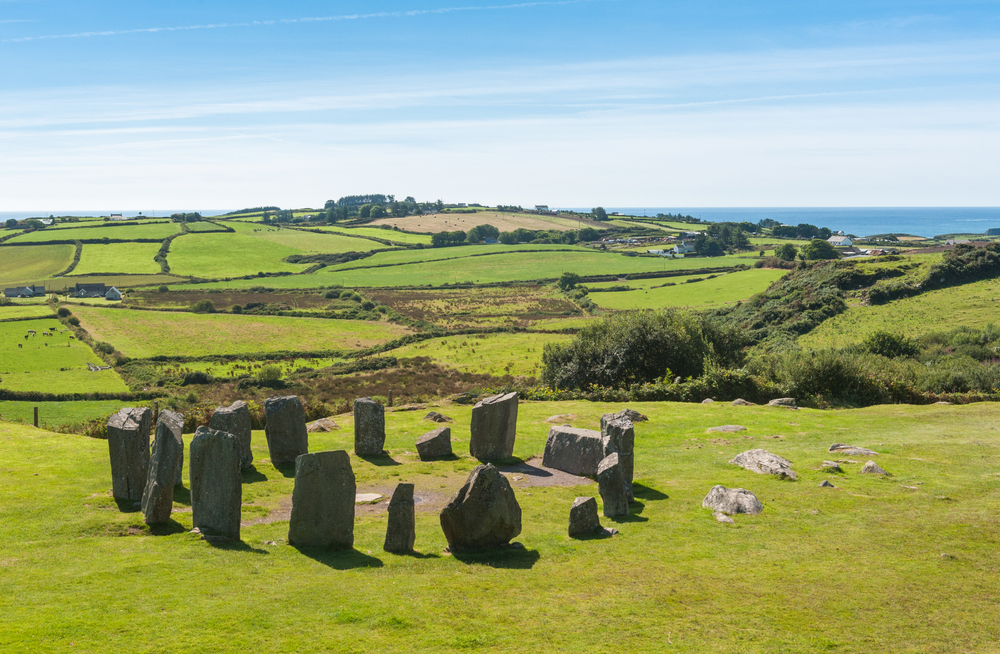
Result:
533,473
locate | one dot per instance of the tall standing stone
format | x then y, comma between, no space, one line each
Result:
216,483
401,532
128,445
611,485
494,425
164,462
235,419
369,427
483,514
619,436
285,429
323,501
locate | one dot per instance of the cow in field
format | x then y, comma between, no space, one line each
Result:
19,346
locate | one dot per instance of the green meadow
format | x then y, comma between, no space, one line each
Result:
902,564
135,258
228,255
122,232
489,354
406,238
32,264
724,289
50,364
57,415
33,310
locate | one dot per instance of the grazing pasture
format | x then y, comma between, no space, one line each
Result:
228,255
309,242
914,554
221,300
407,238
57,415
485,354
134,258
33,310
724,289
119,281
121,232
20,265
50,364
505,222
143,334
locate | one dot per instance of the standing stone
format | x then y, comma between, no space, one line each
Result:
128,444
573,450
435,444
216,483
323,501
164,462
401,530
583,519
369,427
285,429
484,513
619,436
611,484
494,425
235,419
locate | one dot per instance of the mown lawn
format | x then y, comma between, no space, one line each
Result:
50,364
21,265
134,258
142,334
490,354
724,289
903,564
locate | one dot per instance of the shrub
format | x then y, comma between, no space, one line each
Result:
367,305
63,312
332,294
163,289
106,348
269,373
203,306
237,309
197,377
73,320
568,280
890,345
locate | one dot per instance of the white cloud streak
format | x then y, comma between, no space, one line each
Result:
290,21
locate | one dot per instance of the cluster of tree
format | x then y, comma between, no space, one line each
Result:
254,210
186,217
281,216
802,230
12,223
815,250
598,213
680,218
444,239
477,234
509,207
359,200
521,235
723,237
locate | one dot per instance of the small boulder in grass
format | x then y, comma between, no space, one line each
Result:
732,501
788,402
741,402
708,400
764,463
434,416
872,468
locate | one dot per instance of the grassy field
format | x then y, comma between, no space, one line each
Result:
914,554
142,334
972,305
307,242
33,310
505,222
228,255
32,264
134,258
50,364
391,235
241,367
119,281
724,289
54,415
488,354
204,227
123,232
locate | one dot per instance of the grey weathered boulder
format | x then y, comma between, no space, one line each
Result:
619,436
854,450
573,450
583,519
235,419
611,485
741,402
285,429
322,425
826,484
708,400
164,463
435,444
732,501
400,533
629,414
831,466
484,513
434,416
369,427
765,463
128,445
494,426
323,501
216,483
727,429
783,401
872,468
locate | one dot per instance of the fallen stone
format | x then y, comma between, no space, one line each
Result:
216,483
369,427
164,461
826,484
484,513
434,416
727,429
708,400
400,533
619,436
435,444
842,448
629,414
741,402
723,518
831,466
611,486
942,402
285,429
128,445
494,426
367,498
322,425
323,501
732,501
573,450
872,468
235,419
783,401
583,519
765,463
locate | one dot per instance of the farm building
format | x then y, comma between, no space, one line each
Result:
24,291
684,248
90,290
113,294
840,241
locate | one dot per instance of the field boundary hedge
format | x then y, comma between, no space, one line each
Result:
75,262
35,396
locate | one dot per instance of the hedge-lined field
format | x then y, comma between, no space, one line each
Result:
135,258
33,264
122,232
724,289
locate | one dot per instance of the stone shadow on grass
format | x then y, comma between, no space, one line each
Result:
513,557
286,469
634,509
182,495
231,545
128,506
597,534
647,493
252,474
414,554
340,559
167,528
383,459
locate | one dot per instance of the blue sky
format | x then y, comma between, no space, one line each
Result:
578,103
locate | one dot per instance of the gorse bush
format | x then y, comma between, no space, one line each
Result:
889,345
203,306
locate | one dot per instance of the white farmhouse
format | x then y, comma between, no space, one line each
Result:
840,241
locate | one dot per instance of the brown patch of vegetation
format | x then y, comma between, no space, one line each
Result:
518,306
226,299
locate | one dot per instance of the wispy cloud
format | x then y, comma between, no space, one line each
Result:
15,20
313,19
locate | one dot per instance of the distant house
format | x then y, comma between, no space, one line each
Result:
46,221
24,291
957,241
118,216
90,290
113,294
541,207
840,241
684,248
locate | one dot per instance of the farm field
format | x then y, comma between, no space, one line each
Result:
505,222
307,242
56,415
20,265
487,354
33,310
50,364
144,334
244,366
119,281
666,582
724,289
562,324
204,227
123,232
972,305
135,258
228,255
392,235
184,299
